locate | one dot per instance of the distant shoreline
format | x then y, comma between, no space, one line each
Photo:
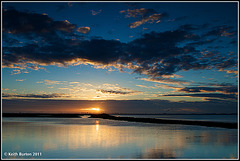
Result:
168,121
131,119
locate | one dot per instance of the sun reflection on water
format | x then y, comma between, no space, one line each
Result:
97,125
83,140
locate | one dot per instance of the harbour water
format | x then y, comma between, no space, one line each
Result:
94,138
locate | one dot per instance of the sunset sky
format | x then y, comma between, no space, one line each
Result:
138,57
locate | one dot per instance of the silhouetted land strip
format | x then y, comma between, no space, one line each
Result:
40,115
133,119
164,121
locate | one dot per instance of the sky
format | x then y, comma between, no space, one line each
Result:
120,57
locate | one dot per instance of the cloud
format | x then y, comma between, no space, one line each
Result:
20,80
160,54
16,22
230,71
223,30
155,54
150,19
145,15
121,91
95,12
164,86
207,96
165,80
74,82
15,71
50,82
142,12
83,30
223,89
53,95
203,42
34,67
143,86
113,92
227,64
64,88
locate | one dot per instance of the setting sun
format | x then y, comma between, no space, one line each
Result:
95,109
92,110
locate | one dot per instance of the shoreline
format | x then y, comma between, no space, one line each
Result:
168,121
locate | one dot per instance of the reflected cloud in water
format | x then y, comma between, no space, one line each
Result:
98,140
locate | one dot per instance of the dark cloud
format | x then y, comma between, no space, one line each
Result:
155,54
157,45
159,53
207,95
54,95
227,64
225,89
181,18
224,30
117,92
203,42
104,52
189,27
16,22
234,42
10,41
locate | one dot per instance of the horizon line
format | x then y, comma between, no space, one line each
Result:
115,113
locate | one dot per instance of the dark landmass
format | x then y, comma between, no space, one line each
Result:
166,121
175,114
41,115
132,119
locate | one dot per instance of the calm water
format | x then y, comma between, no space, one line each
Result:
91,138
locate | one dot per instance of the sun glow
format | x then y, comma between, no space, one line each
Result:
94,110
